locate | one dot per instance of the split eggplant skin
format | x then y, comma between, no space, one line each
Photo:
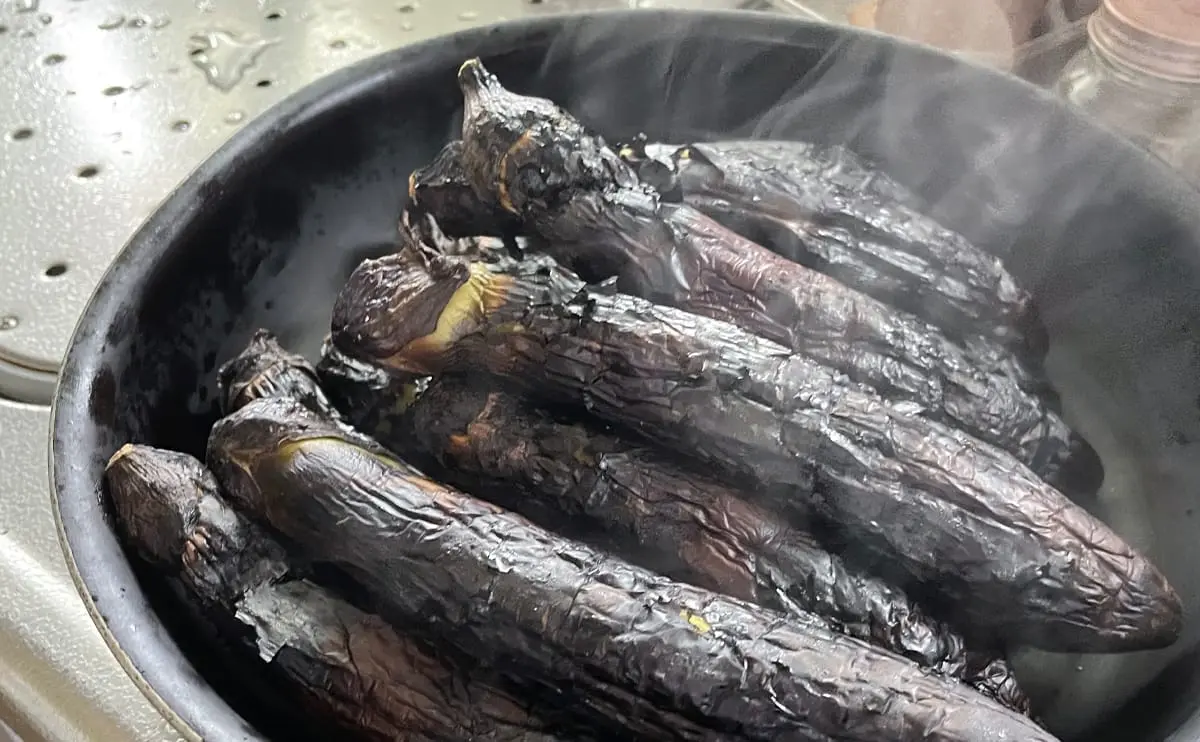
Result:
575,194
1006,552
351,665
723,542
663,659
265,369
863,231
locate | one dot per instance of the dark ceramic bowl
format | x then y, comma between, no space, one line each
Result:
263,234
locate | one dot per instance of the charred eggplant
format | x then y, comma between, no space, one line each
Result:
486,439
442,189
170,507
664,660
958,517
593,215
825,208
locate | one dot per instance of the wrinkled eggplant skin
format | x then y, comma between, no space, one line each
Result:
442,188
600,225
664,660
368,396
178,520
863,231
265,369
721,541
960,519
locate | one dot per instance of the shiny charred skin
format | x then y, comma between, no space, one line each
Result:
441,188
619,645
826,208
593,214
176,518
366,395
965,520
724,542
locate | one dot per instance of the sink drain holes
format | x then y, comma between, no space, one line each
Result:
53,59
274,15
54,270
263,84
20,135
113,90
88,171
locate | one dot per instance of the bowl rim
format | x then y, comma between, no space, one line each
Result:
116,603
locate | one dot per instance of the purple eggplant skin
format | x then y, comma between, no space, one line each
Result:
833,215
952,515
486,439
171,508
666,660
593,214
441,188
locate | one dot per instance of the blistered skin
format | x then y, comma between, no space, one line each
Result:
351,666
666,661
828,209
600,225
964,519
723,542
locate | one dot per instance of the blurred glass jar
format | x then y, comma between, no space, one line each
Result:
1140,75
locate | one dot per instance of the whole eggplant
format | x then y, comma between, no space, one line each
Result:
618,645
350,666
956,517
593,214
827,209
487,439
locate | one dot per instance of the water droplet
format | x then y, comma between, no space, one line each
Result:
408,7
337,44
46,19
115,136
406,26
114,20
181,126
137,22
25,6
161,22
25,33
468,15
21,134
234,117
224,58
113,90
9,322
53,59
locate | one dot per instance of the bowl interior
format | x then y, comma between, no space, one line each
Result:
264,234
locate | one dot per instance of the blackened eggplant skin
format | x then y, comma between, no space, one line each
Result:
170,507
441,188
593,220
480,433
665,660
828,213
265,369
964,519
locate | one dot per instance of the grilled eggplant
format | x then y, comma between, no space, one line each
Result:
594,216
265,369
821,207
959,518
617,644
351,666
486,439
441,189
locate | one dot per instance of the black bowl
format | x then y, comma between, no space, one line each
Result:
263,234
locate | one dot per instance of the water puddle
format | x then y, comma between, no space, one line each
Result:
225,58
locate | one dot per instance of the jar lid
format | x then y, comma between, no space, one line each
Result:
1157,37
